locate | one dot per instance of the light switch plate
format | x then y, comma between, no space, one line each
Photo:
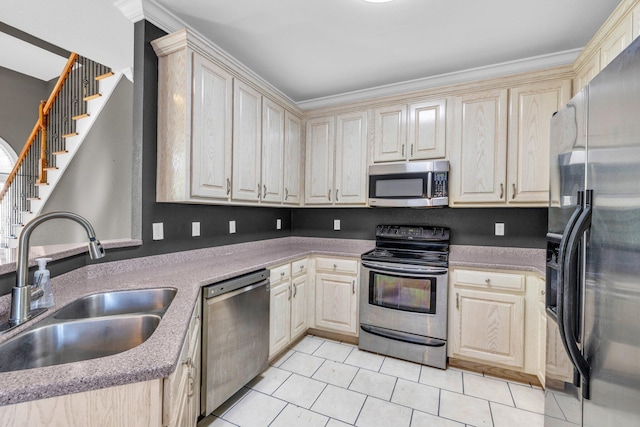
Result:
336,224
278,224
195,229
158,231
232,227
499,229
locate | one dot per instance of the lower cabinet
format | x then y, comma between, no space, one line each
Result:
336,282
494,319
289,296
181,398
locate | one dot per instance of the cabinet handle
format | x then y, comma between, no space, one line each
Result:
282,273
457,301
411,150
501,190
259,192
353,287
513,196
228,186
329,195
402,150
487,281
191,385
265,192
286,193
295,290
301,267
335,266
289,297
337,195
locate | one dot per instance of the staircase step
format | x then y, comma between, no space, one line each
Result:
90,97
57,153
33,198
69,135
104,76
38,183
80,116
51,168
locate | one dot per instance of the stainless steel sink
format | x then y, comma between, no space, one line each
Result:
65,342
94,326
155,300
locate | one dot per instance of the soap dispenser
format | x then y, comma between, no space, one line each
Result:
42,279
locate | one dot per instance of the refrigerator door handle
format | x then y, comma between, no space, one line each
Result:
570,295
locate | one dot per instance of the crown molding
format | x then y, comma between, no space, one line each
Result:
457,77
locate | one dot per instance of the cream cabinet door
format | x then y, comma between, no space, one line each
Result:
489,326
272,151
279,317
479,150
299,303
211,132
589,70
617,41
319,161
292,158
531,109
542,342
351,159
427,124
247,126
390,133
336,303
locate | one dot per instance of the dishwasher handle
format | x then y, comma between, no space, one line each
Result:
237,285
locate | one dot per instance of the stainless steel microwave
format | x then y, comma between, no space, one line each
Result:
409,184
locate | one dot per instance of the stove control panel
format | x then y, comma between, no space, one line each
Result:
407,232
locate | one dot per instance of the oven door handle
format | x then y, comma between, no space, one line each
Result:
404,270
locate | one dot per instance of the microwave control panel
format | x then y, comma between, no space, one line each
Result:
440,184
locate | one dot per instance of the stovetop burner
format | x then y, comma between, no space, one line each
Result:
418,245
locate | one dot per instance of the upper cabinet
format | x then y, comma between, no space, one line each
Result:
500,147
341,141
410,131
221,137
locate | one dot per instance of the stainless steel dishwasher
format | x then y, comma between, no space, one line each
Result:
235,336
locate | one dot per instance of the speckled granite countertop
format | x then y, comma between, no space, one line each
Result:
158,356
523,259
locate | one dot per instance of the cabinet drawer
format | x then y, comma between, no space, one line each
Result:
490,279
280,273
336,265
299,267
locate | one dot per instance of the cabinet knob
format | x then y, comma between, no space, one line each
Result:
259,192
411,154
542,292
335,266
302,267
402,150
282,273
457,301
487,281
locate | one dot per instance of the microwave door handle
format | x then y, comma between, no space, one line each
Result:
429,185
570,296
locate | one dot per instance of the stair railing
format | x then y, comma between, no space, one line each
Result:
78,83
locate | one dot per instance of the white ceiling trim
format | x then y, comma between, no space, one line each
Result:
158,15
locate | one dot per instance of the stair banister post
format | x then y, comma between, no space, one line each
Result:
42,173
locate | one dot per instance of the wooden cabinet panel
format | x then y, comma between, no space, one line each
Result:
247,126
617,41
489,326
272,151
292,159
336,303
588,71
319,162
299,304
542,342
532,107
479,148
351,159
211,134
490,279
337,265
426,136
390,133
280,317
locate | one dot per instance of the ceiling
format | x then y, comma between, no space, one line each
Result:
41,64
322,49
312,49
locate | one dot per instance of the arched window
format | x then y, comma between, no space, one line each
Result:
8,158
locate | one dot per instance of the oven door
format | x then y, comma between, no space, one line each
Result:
405,298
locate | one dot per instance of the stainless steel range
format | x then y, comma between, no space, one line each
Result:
403,294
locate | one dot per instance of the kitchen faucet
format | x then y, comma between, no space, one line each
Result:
22,293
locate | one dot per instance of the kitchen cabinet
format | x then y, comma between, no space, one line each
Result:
194,128
336,285
617,40
496,165
410,131
247,137
289,300
181,398
341,141
292,159
542,332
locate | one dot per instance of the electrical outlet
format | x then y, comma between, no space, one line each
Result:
232,227
195,229
278,224
158,231
499,229
336,224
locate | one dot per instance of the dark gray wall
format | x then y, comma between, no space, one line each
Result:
20,96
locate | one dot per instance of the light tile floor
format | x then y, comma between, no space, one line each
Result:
324,383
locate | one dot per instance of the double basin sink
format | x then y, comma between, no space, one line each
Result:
94,326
